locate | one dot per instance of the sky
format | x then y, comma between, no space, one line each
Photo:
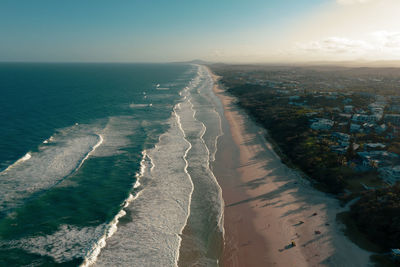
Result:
180,30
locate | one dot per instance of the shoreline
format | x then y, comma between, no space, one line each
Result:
269,205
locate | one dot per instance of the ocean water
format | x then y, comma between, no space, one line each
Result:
108,165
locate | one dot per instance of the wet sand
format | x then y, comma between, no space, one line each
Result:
268,205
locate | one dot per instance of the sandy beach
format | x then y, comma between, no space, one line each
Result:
268,205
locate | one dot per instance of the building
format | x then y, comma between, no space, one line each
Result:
341,136
380,128
355,128
373,146
310,114
377,159
347,101
284,92
393,118
395,108
344,115
343,148
348,108
294,97
365,118
322,124
390,175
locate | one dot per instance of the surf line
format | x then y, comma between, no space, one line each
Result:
26,157
91,151
94,251
178,120
220,219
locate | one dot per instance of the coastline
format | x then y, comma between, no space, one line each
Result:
269,205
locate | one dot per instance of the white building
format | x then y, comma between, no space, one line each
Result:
294,97
322,124
355,127
390,175
380,128
348,108
366,118
393,118
372,146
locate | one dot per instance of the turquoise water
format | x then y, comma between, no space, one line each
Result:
106,164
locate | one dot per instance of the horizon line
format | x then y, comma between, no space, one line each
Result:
343,63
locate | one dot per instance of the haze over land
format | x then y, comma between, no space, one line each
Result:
223,31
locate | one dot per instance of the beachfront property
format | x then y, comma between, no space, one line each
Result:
322,124
348,108
377,159
342,137
365,118
379,129
355,128
390,175
373,146
393,118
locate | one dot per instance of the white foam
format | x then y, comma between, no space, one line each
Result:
49,140
91,151
178,120
221,200
210,195
160,214
94,251
70,242
26,157
63,245
91,257
49,165
139,105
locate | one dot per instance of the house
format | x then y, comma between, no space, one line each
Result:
347,101
390,175
368,127
339,149
377,159
310,114
392,118
348,108
332,97
373,146
395,108
365,118
294,97
342,149
284,92
380,128
344,115
341,136
395,254
322,124
355,128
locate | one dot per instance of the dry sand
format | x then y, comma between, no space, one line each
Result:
266,203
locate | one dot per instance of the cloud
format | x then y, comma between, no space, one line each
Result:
389,40
374,45
352,2
336,45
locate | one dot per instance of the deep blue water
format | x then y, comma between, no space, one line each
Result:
71,142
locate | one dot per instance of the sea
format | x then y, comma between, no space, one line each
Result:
109,165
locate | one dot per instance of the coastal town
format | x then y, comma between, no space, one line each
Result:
369,126
352,117
338,126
